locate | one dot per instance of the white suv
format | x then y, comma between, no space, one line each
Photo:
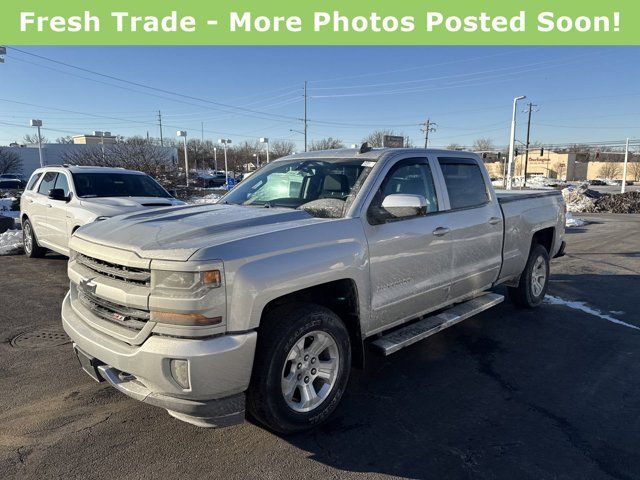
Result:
60,199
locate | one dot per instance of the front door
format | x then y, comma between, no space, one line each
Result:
57,216
40,209
410,258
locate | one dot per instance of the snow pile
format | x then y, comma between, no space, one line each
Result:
211,198
10,242
575,222
579,199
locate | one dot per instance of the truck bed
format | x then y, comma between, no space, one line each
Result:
527,211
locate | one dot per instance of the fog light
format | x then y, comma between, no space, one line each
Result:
180,372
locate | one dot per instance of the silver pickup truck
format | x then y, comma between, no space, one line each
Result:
268,298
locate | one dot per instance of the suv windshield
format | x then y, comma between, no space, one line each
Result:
306,184
117,185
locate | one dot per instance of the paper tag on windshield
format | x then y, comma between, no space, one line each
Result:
369,164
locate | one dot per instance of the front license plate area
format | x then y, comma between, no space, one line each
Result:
89,364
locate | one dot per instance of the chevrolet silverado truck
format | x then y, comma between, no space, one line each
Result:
59,199
269,297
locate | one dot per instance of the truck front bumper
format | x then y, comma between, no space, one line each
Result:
218,370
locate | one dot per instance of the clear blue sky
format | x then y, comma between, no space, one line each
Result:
582,93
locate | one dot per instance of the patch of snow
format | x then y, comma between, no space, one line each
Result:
211,198
583,307
10,242
575,222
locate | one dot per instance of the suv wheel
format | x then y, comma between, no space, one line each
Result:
534,280
301,370
30,242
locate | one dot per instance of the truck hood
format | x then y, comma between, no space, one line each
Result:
177,233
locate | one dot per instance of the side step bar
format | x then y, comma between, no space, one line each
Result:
416,331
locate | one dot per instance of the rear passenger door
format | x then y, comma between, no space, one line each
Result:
40,208
476,225
410,257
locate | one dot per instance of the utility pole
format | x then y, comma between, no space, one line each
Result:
427,127
526,158
305,116
624,170
160,124
202,132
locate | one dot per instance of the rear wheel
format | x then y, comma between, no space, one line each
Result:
30,242
534,280
301,369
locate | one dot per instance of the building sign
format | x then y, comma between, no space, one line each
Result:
392,141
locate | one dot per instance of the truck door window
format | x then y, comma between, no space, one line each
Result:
464,181
412,176
48,182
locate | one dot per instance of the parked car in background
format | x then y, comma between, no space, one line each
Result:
273,292
11,184
596,182
11,176
60,199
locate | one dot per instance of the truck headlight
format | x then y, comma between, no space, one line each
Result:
188,298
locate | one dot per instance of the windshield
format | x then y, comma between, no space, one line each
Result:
89,185
297,183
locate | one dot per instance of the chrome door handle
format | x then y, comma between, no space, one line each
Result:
440,231
494,220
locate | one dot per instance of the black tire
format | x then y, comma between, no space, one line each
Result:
30,243
279,332
527,294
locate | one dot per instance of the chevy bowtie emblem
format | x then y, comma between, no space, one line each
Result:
87,285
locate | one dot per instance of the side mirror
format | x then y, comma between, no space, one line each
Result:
401,205
172,192
58,194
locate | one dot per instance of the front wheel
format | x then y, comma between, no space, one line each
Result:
534,280
302,366
30,242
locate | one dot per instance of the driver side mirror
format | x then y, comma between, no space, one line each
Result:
402,205
58,194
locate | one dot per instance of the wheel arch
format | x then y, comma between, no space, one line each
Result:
339,296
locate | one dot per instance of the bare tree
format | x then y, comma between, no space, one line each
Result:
66,139
483,145
610,170
281,148
328,143
149,159
454,146
10,162
29,139
634,169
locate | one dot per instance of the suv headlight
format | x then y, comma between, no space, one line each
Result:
190,298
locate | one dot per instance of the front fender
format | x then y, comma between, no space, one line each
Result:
253,283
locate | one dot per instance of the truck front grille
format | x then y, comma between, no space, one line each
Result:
137,276
128,317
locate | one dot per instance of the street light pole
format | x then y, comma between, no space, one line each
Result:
265,140
38,124
215,159
224,142
512,142
183,134
624,169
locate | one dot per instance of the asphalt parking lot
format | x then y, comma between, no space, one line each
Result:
551,393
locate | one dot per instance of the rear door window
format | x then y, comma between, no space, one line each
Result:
48,183
465,182
33,180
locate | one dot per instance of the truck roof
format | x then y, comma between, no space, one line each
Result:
372,155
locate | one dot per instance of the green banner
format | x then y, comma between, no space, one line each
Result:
320,22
